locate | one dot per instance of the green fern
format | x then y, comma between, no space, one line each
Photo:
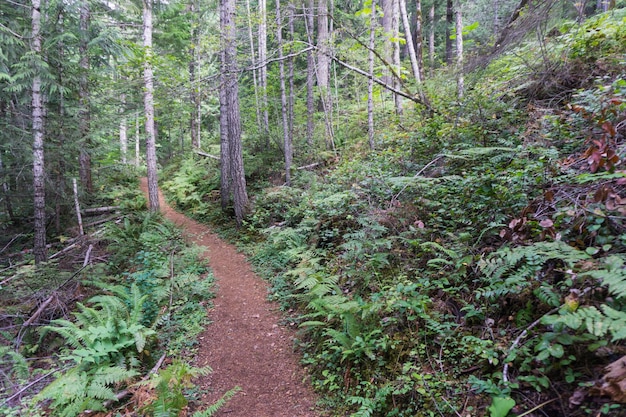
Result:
510,271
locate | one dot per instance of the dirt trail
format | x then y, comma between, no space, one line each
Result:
244,345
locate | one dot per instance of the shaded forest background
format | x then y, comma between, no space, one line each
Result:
434,191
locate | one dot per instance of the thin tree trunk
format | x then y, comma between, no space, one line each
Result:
396,52
254,70
419,37
323,70
459,51
291,9
231,87
310,75
283,97
194,97
39,186
148,99
415,64
84,113
431,39
123,131
79,218
370,81
263,68
137,143
449,23
6,194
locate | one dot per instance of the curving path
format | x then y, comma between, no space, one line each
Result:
244,345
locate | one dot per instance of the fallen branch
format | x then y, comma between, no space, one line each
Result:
309,166
40,310
99,210
207,155
27,387
86,261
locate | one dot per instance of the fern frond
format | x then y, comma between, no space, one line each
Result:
214,408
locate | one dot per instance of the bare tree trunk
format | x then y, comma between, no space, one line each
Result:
84,113
148,99
263,69
225,182
310,75
39,185
419,37
254,70
194,97
449,23
415,65
231,87
370,81
460,82
137,144
291,9
323,70
396,53
431,39
123,131
6,195
283,97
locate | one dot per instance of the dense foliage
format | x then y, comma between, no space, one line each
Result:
474,263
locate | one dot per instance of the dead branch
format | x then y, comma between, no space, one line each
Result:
86,261
309,166
99,210
207,155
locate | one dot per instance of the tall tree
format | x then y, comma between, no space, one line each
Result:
323,69
460,81
449,23
232,121
395,23
39,185
263,67
431,39
415,64
310,73
287,146
148,101
194,96
84,114
123,130
370,81
255,83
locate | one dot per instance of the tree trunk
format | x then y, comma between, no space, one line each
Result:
370,81
283,98
137,143
123,131
290,73
449,23
6,195
431,39
84,113
194,97
148,100
415,64
310,75
263,68
419,38
231,93
323,71
39,185
459,51
257,105
395,22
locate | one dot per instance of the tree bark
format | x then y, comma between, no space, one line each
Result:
231,95
449,23
123,131
419,38
137,143
310,75
431,39
84,113
283,97
323,70
460,81
194,97
39,186
257,106
396,52
415,64
148,99
370,81
263,69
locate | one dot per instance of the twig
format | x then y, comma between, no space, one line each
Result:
309,166
505,368
207,155
437,158
27,387
525,413
86,261
11,241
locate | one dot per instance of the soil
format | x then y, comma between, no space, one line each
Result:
244,345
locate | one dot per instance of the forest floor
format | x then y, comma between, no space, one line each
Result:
244,345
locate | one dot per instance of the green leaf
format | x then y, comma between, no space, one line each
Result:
500,406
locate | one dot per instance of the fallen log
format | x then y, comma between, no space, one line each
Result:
99,210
